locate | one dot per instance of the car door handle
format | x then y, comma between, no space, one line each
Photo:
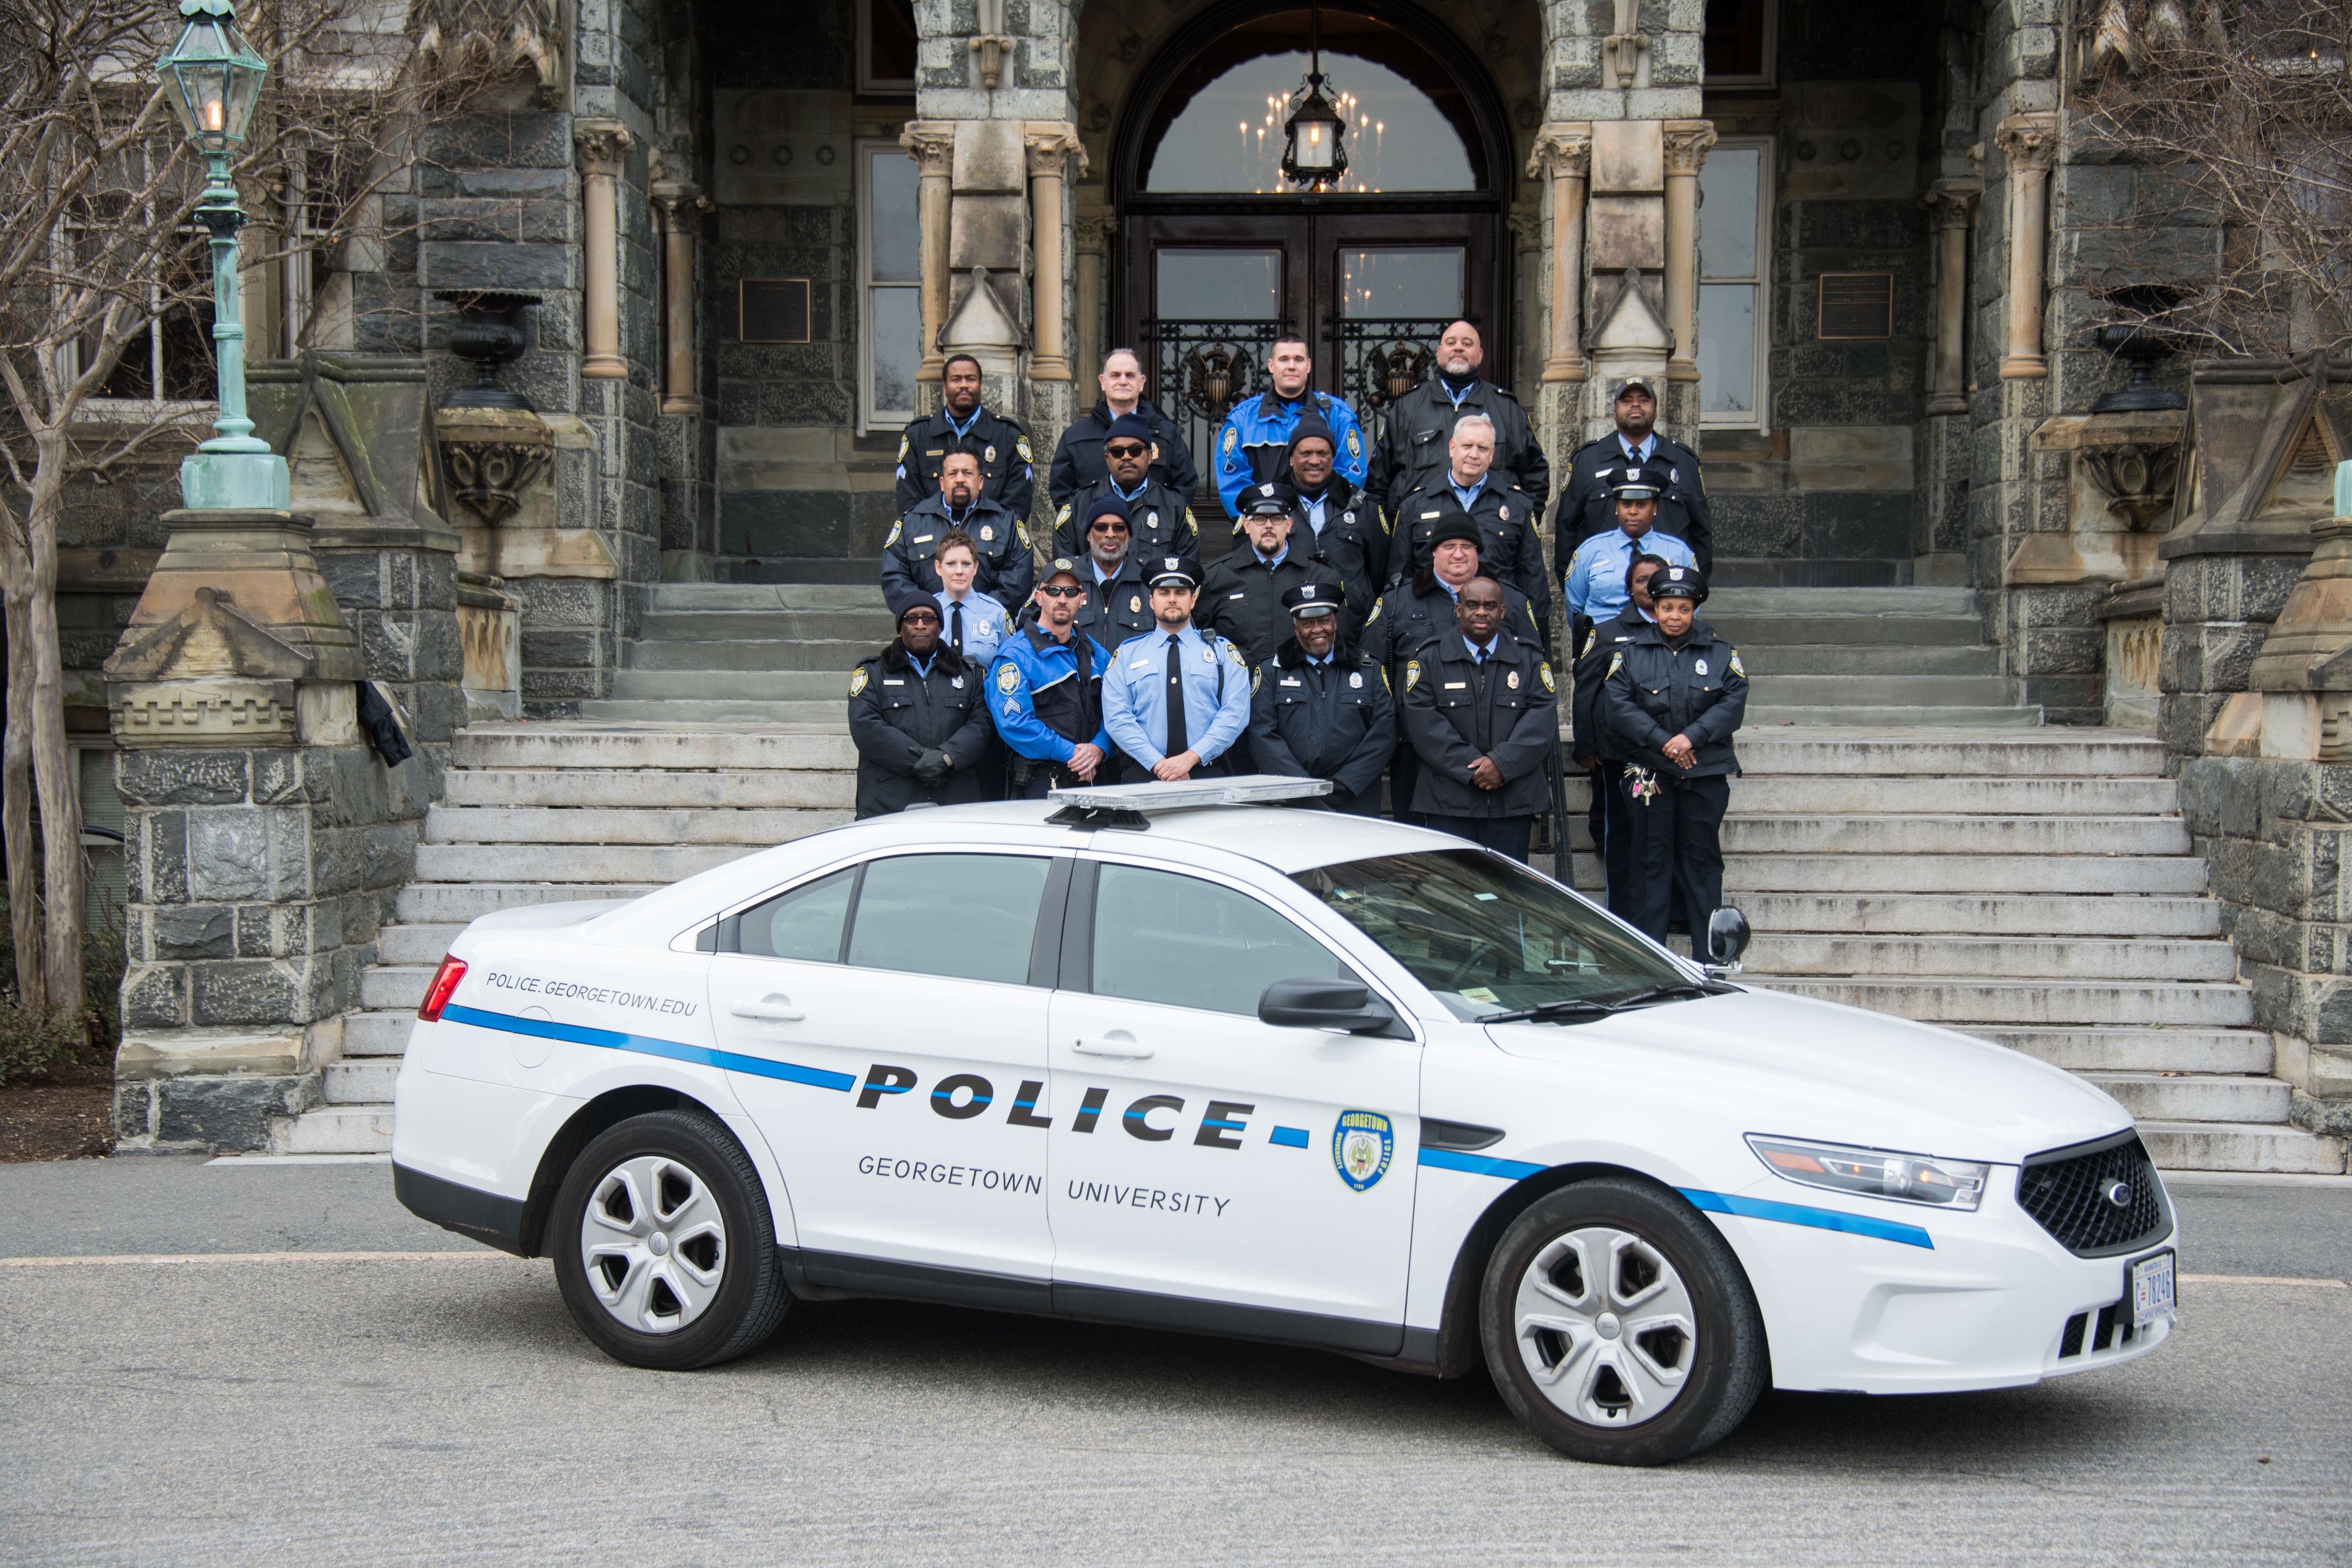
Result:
769,1009
1113,1043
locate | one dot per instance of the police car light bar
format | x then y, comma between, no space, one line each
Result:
1127,805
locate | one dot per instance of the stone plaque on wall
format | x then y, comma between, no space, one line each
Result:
1856,306
772,311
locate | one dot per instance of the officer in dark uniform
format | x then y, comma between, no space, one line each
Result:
1482,710
1045,691
1118,606
1505,518
1412,449
1158,518
919,718
1321,710
1242,597
999,538
1594,751
1176,701
1006,476
1419,609
1349,533
1585,508
1672,698
1077,457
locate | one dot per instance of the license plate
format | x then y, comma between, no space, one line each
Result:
2152,1294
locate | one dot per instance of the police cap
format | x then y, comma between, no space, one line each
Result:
1456,526
1310,599
1270,499
1181,569
1061,566
1634,481
1678,583
1640,384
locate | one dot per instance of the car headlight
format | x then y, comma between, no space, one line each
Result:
1874,1173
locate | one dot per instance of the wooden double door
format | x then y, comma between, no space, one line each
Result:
1203,297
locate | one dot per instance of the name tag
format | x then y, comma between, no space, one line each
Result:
1140,664
1427,515
935,452
922,539
1456,685
1243,595
892,680
1292,680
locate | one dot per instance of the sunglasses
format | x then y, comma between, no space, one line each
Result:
1063,591
1111,525
1124,449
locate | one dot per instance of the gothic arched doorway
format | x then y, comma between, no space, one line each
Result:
1218,255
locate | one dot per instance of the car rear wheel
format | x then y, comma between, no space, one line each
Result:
665,1246
1619,1325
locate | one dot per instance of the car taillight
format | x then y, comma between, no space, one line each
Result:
444,986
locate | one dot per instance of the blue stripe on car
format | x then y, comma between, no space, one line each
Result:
1801,1214
646,1044
1290,1137
1479,1164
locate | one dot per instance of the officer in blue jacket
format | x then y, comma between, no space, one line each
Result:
1045,691
1176,699
1255,443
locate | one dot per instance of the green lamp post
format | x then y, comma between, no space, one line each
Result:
213,78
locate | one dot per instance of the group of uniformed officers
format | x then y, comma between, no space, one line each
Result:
1379,613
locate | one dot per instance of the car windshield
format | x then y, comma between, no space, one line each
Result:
1488,936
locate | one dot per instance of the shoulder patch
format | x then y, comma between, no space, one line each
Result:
1616,663
1061,517
1234,652
902,448
1020,532
1543,670
1233,441
1412,673
1021,445
1377,608
896,530
857,680
1737,668
1257,679
1355,443
1008,677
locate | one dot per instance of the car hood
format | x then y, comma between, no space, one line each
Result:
1802,1068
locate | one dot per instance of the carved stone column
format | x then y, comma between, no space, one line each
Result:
681,205
1093,234
1687,141
932,143
1564,156
1954,205
2030,144
603,155
1050,147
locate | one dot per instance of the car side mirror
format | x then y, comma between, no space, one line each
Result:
1726,938
1341,1005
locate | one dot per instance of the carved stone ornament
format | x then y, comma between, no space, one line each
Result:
992,44
1563,150
1050,151
603,146
1953,202
492,455
2029,140
2136,480
526,37
932,143
1687,142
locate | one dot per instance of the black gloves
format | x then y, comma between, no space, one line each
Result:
931,768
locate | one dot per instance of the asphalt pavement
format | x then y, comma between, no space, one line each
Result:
263,1406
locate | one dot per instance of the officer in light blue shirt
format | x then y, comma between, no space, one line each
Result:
972,623
1176,699
1596,576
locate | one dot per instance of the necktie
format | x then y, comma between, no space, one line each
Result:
955,623
1177,740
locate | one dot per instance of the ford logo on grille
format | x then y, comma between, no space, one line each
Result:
2118,1194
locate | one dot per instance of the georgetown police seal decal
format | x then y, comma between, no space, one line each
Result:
1362,1145
1008,677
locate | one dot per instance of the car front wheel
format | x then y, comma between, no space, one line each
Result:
1619,1325
665,1246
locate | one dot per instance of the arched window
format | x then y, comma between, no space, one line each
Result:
1218,129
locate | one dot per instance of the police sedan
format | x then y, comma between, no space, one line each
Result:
1155,1055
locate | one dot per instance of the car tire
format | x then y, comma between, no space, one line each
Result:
1619,1324
708,1294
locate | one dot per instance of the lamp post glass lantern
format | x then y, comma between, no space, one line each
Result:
1314,151
213,78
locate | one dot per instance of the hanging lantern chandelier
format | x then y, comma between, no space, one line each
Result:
1313,152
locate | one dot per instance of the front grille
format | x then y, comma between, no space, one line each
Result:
2065,1190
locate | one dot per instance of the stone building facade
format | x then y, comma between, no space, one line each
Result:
1862,248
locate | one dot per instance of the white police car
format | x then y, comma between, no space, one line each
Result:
1144,1056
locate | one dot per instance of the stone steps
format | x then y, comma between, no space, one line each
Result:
427,903
1962,914
1897,752
608,825
721,714
2202,1097
2066,958
825,664
2226,1146
2093,1049
734,789
673,639
1871,688
1966,1001
334,1130
1762,711
1771,795
1917,873
1777,659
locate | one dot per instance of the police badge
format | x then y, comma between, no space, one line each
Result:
989,453
1700,665
1504,512
1355,680
1512,681
1135,604
988,533
1362,1145
1151,520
